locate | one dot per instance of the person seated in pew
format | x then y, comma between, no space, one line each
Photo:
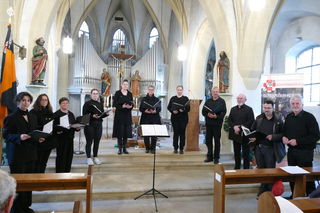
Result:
7,191
64,137
21,147
270,149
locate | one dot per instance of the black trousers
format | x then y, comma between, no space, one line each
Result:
241,150
23,200
213,132
179,131
41,163
147,144
122,136
64,155
93,133
302,158
265,158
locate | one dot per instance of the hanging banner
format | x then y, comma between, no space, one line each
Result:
280,88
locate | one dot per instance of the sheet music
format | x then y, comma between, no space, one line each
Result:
286,206
47,128
294,170
154,130
64,121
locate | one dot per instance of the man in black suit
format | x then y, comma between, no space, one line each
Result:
240,115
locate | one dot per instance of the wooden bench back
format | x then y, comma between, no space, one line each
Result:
267,203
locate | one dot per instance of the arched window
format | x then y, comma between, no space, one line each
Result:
154,35
84,29
308,63
119,38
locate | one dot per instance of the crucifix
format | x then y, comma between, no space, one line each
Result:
122,58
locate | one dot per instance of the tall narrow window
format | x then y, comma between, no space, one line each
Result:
84,29
154,35
308,63
119,38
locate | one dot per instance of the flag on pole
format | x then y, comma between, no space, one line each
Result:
8,82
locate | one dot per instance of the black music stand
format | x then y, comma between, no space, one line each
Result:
153,191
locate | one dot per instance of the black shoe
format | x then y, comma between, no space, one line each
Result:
147,151
207,160
181,152
175,151
216,161
152,151
125,151
119,151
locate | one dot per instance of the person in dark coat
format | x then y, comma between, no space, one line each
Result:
122,130
214,110
240,115
42,109
21,147
300,134
64,137
269,149
179,107
150,108
93,131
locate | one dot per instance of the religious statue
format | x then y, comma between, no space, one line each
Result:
122,65
39,62
135,88
106,82
223,72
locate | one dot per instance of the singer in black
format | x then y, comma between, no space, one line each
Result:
21,148
122,130
42,109
179,107
214,110
150,108
64,137
93,131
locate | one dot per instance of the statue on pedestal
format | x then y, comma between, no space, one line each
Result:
135,87
39,62
106,82
223,72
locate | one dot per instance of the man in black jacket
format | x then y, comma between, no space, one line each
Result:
214,110
240,115
269,148
301,132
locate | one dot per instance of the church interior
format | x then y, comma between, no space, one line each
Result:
164,43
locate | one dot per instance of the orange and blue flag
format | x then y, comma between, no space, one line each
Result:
8,82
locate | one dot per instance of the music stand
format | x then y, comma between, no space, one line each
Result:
154,131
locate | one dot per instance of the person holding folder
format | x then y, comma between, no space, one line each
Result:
214,110
42,109
21,147
64,136
123,102
93,131
150,108
179,107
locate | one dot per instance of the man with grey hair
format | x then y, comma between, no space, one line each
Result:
301,132
240,115
7,191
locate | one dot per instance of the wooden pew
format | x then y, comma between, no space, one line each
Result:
77,207
57,181
246,176
268,204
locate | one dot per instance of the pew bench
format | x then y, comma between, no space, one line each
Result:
246,176
268,204
57,181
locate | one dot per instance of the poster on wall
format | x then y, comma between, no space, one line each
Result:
280,88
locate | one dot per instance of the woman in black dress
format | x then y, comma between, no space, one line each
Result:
64,137
123,102
150,108
93,131
42,109
179,108
21,147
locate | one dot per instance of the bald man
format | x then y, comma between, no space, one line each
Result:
240,115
